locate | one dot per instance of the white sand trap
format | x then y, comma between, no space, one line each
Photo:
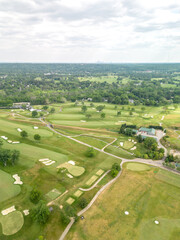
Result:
132,140
93,108
97,111
26,212
135,142
5,138
162,118
16,142
69,175
156,222
43,159
8,210
134,148
83,121
129,139
47,161
121,144
9,141
71,162
35,127
121,121
126,213
18,179
160,124
152,116
52,162
19,129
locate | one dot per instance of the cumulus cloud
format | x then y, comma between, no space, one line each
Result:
89,30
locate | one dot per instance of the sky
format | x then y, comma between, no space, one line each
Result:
90,31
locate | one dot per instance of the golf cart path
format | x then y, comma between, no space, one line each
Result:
109,144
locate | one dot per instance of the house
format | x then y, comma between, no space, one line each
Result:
147,131
22,105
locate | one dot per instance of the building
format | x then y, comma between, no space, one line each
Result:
22,105
147,131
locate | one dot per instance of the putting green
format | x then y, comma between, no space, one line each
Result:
7,187
53,194
91,180
137,167
128,144
12,222
74,170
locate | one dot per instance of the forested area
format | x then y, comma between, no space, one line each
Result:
148,84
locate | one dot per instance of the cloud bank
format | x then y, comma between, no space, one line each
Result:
89,31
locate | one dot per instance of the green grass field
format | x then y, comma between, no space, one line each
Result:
145,197
12,222
74,170
7,187
137,167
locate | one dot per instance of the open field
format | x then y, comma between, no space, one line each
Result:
7,187
145,198
74,170
137,167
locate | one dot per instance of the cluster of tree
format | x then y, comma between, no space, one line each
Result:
32,83
40,213
9,157
35,196
115,169
128,130
156,127
152,150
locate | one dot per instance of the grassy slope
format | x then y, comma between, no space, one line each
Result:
145,197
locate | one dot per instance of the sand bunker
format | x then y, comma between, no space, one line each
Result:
162,118
156,222
46,161
8,210
83,121
5,138
69,175
18,179
26,212
16,142
35,127
9,141
134,148
126,213
19,129
121,144
71,162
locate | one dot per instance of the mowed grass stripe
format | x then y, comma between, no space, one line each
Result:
168,177
91,180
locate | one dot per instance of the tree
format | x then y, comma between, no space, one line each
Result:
84,108
139,138
115,169
88,115
91,104
40,213
130,113
24,134
35,196
83,203
90,152
37,137
14,156
103,115
52,110
150,143
118,113
45,107
100,108
34,113
143,109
